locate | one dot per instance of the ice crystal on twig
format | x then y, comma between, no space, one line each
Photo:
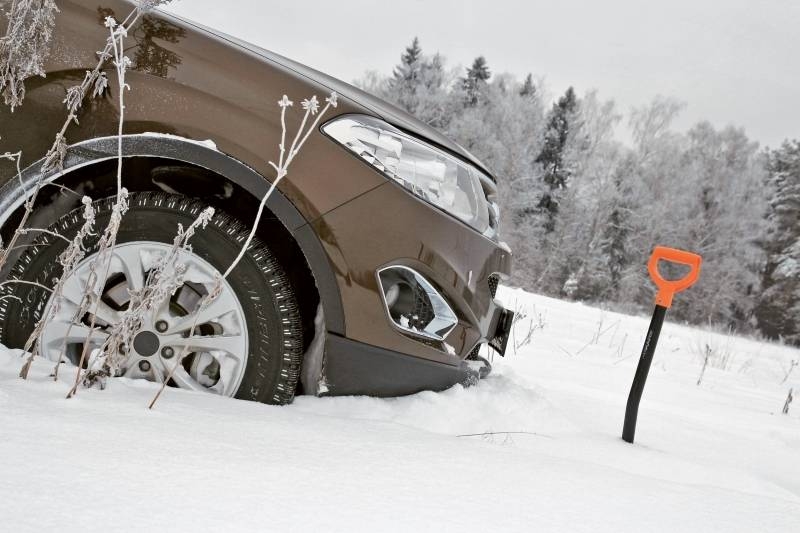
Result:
311,105
285,102
56,155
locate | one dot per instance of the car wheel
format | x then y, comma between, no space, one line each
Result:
247,344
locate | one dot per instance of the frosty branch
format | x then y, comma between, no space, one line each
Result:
312,114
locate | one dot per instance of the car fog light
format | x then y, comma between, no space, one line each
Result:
414,305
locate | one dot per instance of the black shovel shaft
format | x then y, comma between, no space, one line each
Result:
635,396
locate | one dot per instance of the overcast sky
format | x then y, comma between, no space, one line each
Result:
732,61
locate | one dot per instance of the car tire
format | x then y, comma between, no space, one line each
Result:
259,282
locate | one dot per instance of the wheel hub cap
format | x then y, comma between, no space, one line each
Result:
204,347
146,343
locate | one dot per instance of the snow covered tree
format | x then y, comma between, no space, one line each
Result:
617,229
475,81
434,104
528,88
408,61
406,75
577,266
723,172
408,70
551,158
778,311
582,212
420,84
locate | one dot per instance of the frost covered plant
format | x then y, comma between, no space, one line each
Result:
25,46
6,250
69,260
311,107
100,263
55,159
95,83
166,277
21,25
121,64
310,122
22,54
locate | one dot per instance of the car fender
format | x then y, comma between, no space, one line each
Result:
203,154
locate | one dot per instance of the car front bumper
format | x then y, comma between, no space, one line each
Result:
390,227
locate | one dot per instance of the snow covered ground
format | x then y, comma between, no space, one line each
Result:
714,457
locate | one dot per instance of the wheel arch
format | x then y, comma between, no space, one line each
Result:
199,154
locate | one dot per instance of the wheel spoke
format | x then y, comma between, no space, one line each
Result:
221,305
57,335
182,378
160,311
129,263
232,345
227,376
101,310
74,289
57,332
196,272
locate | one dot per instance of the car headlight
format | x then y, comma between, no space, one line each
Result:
428,172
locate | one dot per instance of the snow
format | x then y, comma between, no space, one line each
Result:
208,143
714,457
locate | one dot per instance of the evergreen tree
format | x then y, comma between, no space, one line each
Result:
409,67
432,73
477,77
614,244
778,311
406,77
551,158
528,88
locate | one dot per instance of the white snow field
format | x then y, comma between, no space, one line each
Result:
714,457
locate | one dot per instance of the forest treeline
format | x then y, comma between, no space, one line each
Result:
583,210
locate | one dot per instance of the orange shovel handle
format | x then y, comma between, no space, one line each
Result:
668,288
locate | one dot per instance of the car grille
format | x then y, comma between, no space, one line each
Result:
494,281
473,355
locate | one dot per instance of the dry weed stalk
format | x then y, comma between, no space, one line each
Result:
69,260
311,107
166,277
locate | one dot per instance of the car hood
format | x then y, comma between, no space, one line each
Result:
388,112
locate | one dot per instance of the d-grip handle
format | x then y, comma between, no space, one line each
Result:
668,288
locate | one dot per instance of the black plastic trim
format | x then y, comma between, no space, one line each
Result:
499,340
354,368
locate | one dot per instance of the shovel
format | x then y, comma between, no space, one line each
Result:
666,290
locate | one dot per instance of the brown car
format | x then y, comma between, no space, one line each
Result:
374,271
